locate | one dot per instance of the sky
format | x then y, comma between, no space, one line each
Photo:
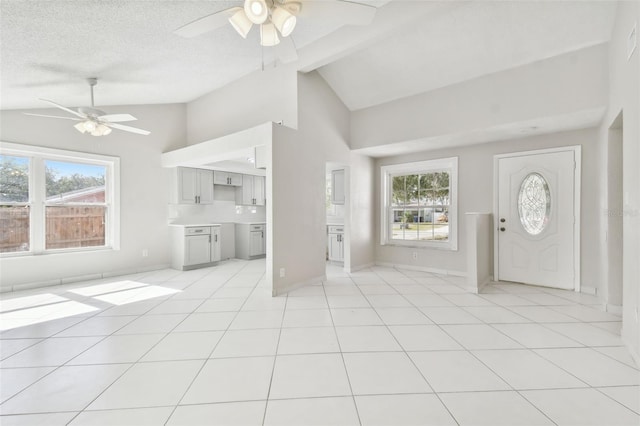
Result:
67,168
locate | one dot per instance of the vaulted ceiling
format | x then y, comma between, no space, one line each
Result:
49,48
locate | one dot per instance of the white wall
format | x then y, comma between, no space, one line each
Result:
561,85
475,194
262,96
297,180
143,191
361,238
624,95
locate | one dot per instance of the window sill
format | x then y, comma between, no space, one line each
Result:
448,246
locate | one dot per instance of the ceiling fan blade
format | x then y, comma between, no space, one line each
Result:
53,116
64,108
286,50
349,13
117,118
206,24
128,128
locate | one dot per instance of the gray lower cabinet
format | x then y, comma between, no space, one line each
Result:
335,243
195,246
250,240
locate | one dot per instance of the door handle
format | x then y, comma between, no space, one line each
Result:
503,220
503,229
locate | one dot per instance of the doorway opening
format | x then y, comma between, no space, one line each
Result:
336,205
615,219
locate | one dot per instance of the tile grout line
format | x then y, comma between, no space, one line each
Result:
217,343
513,389
416,367
344,363
275,359
139,358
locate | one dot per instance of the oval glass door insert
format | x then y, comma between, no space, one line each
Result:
534,203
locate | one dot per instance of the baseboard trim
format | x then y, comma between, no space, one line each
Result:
423,269
360,267
294,286
632,351
614,309
589,290
80,278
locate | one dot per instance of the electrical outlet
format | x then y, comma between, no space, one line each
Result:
145,252
415,255
281,272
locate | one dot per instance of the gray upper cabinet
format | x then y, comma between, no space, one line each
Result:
227,178
337,186
193,186
252,192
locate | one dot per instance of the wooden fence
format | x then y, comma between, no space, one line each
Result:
66,227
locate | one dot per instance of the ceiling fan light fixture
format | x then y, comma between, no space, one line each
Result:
101,130
80,127
256,11
268,35
284,21
241,23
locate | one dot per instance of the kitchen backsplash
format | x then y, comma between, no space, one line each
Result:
222,210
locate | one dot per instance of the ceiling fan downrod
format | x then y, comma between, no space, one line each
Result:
92,82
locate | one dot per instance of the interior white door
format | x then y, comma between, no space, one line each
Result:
536,219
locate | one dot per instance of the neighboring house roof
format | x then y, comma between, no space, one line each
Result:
93,194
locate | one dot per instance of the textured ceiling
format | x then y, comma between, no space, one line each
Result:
49,48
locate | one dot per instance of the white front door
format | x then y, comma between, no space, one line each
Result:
535,219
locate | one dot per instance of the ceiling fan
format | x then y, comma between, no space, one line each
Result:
92,120
278,18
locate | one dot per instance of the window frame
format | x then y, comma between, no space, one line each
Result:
387,173
37,195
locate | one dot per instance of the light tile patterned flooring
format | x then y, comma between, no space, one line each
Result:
377,347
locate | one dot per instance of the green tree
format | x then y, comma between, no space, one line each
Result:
57,185
14,180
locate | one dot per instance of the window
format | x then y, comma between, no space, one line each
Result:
54,200
419,204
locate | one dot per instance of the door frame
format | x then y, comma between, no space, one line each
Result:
577,173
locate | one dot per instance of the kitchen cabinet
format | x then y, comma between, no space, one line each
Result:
227,178
337,186
250,240
195,246
216,249
335,243
193,186
252,192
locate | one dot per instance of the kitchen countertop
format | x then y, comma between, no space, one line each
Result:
251,223
184,225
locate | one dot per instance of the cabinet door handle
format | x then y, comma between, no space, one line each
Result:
216,238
